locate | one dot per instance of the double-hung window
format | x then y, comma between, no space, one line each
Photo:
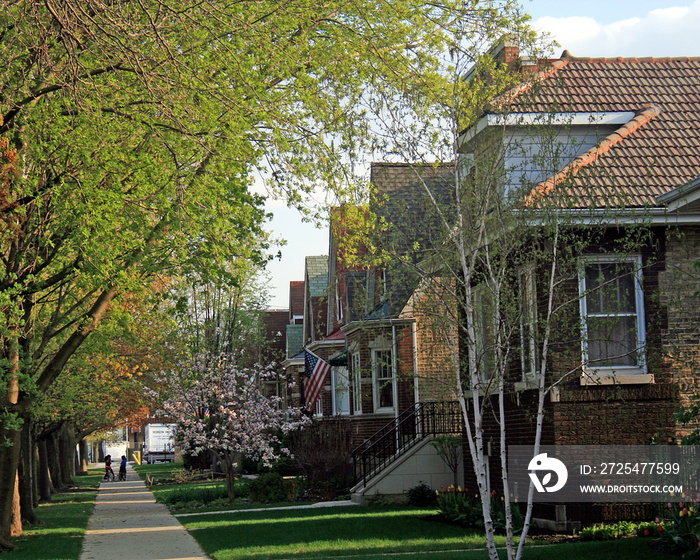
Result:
485,338
612,313
341,390
528,322
356,383
383,380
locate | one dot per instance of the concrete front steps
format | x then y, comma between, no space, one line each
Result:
419,464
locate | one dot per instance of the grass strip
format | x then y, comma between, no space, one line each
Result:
64,519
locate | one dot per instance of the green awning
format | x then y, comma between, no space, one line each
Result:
339,360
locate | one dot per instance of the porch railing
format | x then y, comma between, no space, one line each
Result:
404,432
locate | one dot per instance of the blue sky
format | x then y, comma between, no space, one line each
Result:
608,28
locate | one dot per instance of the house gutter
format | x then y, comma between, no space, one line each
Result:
656,216
373,323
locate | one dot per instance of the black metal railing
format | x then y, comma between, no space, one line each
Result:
401,434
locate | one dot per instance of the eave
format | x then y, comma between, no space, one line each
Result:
685,199
611,118
657,216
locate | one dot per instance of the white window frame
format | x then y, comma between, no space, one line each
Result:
528,322
636,373
341,390
338,303
376,379
356,380
483,331
318,408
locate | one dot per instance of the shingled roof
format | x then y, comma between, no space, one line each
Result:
655,152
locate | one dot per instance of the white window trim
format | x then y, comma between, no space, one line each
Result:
356,382
338,388
529,300
615,374
338,303
483,319
318,408
375,381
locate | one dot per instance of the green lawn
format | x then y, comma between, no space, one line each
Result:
158,470
64,519
198,496
371,532
356,533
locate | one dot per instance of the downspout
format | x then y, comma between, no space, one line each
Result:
394,370
414,337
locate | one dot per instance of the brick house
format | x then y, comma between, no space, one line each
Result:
372,320
626,343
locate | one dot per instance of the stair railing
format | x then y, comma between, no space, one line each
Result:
404,432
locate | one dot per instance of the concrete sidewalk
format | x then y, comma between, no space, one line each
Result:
128,524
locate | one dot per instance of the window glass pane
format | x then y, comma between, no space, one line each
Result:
386,395
341,389
528,311
383,378
483,326
356,384
612,341
610,288
614,324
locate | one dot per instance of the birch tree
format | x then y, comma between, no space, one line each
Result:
503,283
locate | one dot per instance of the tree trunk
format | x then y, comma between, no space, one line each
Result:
66,453
16,526
83,446
9,458
26,473
54,463
228,465
44,477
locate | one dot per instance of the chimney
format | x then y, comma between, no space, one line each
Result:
506,50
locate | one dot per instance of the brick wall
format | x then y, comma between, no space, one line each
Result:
679,286
434,310
617,414
620,414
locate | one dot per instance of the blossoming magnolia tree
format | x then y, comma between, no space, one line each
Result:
219,409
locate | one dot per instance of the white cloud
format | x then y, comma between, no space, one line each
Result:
673,31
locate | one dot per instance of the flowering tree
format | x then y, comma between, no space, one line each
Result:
220,409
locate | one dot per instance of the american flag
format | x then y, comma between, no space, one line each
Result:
315,372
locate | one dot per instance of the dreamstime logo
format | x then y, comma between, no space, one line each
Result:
550,465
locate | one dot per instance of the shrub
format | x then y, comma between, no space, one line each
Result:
608,531
680,532
464,507
498,515
271,487
648,529
203,495
322,450
460,506
421,495
181,476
